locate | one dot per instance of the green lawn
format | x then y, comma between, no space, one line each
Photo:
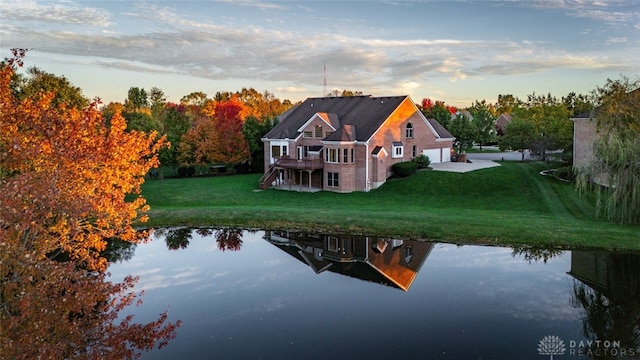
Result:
507,205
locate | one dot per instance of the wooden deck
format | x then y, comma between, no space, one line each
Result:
302,164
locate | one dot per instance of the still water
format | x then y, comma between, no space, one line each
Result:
285,295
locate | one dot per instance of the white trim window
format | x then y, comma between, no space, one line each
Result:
332,155
409,131
333,179
397,150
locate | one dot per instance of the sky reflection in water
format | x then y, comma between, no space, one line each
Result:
264,301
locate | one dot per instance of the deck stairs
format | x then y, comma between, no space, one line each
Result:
267,179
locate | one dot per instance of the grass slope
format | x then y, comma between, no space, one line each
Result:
507,205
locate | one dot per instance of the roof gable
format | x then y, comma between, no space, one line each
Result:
330,119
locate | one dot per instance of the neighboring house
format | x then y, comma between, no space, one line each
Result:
462,112
346,144
501,123
389,262
584,135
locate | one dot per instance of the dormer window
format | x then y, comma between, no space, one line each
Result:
409,131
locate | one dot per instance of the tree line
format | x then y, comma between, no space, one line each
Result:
227,127
540,123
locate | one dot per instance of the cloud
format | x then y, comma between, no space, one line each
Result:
32,11
612,12
157,39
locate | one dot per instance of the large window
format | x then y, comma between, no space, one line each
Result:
332,155
332,179
409,131
275,151
345,155
318,132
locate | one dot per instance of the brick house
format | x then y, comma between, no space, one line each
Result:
501,123
346,144
391,262
584,134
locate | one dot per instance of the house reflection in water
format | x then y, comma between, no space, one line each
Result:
614,275
390,262
609,294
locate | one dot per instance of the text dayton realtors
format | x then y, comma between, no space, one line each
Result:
596,348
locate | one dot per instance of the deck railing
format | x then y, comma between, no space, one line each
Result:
299,164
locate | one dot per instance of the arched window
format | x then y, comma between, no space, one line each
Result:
409,131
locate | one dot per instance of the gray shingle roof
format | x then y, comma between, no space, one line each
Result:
365,114
440,130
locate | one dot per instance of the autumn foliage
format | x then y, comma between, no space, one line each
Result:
216,137
69,180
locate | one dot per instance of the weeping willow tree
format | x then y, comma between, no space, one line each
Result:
614,174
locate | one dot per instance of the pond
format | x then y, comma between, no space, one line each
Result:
287,295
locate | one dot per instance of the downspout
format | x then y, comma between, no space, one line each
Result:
366,166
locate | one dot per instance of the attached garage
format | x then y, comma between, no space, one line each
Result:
438,155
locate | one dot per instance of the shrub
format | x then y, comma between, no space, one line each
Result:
422,161
404,169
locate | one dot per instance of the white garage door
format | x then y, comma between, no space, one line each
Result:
446,154
433,154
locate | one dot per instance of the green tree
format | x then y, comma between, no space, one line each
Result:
551,119
519,135
345,92
157,101
464,130
196,98
175,122
253,130
137,98
507,104
577,104
484,122
616,152
141,121
39,83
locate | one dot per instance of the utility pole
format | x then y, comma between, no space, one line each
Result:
325,80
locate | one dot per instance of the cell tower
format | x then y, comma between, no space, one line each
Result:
324,90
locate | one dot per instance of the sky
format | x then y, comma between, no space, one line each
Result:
453,51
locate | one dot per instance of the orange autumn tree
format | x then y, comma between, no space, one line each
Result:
217,138
68,176
69,180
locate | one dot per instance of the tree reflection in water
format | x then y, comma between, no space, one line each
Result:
178,238
608,290
536,253
56,310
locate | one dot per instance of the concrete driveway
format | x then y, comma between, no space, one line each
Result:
506,155
480,160
464,167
